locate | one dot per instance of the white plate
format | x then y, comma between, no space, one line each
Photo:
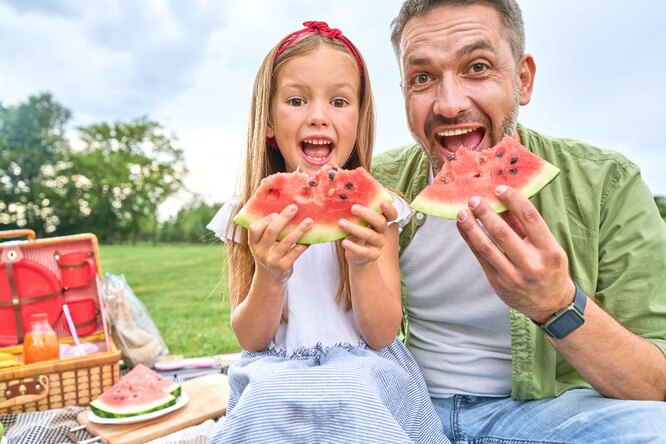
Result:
181,401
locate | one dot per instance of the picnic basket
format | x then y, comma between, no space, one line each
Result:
35,276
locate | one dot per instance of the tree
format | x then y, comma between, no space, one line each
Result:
114,185
189,224
32,134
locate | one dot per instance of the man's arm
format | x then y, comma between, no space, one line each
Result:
530,272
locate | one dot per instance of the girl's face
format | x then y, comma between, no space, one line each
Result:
315,110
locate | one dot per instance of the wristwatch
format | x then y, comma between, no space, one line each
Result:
566,321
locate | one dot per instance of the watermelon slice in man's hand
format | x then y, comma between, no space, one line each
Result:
478,173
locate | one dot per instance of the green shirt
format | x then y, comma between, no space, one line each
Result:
604,216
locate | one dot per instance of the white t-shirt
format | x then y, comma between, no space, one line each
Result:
459,328
314,315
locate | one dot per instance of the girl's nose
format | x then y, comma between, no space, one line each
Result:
319,114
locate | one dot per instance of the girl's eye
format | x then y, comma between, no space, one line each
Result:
339,103
296,101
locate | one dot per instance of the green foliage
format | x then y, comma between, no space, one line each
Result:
661,204
189,224
112,187
31,137
116,183
184,288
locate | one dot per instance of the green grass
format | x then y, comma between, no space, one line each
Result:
184,288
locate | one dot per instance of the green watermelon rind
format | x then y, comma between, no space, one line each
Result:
317,234
431,207
103,410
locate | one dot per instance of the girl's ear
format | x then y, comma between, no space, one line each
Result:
270,131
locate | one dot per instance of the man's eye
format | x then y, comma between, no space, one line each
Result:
339,103
296,101
478,67
420,79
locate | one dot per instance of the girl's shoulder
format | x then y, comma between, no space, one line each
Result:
221,223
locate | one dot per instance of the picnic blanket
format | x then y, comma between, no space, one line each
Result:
51,427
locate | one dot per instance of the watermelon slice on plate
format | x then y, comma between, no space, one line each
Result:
140,392
478,173
325,197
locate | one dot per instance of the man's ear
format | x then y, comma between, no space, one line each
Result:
526,74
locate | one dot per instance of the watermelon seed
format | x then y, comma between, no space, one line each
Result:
513,170
499,172
452,157
514,160
331,175
343,196
334,168
500,153
312,183
349,185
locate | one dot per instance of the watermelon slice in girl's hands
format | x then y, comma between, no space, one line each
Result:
478,173
325,197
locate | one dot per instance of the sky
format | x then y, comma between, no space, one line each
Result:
190,65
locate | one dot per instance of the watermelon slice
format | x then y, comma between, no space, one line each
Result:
326,197
140,391
478,173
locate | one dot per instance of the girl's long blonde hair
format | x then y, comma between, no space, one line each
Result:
262,161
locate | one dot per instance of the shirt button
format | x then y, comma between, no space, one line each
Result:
419,215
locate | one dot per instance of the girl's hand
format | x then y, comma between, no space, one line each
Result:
364,244
276,258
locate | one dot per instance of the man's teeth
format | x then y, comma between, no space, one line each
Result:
456,132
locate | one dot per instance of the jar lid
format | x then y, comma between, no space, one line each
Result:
39,317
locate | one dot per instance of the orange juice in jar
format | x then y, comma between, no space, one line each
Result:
41,343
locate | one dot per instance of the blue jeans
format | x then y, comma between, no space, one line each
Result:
577,416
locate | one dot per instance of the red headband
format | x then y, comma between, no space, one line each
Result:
323,29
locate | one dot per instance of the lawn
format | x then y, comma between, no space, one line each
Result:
184,289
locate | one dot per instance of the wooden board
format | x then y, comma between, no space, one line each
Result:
208,399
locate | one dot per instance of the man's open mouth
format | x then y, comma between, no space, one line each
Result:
454,139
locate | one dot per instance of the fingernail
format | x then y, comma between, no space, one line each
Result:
462,216
354,208
292,208
500,189
273,216
307,222
474,202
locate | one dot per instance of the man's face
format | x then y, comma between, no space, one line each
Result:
461,83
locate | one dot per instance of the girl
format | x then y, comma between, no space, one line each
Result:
318,323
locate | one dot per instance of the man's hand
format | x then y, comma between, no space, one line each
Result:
523,262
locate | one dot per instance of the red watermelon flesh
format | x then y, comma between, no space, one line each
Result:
478,173
140,391
325,197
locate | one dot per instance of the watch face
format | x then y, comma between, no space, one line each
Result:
563,325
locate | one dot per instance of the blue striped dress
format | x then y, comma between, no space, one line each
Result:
319,382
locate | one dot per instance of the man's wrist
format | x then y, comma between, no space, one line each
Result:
567,320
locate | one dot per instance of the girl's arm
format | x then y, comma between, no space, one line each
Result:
374,274
256,318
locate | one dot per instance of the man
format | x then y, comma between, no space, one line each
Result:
549,323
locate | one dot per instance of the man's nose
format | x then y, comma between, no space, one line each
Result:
452,98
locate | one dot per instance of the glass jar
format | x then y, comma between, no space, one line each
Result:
41,342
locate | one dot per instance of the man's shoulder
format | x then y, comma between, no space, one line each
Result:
396,155
562,149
